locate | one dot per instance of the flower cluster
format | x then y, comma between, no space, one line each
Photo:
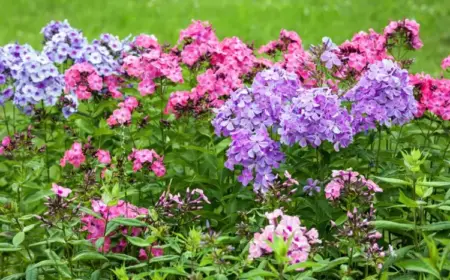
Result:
312,187
348,183
406,31
104,54
82,79
445,63
289,229
434,95
63,42
382,96
122,116
198,41
151,63
358,229
313,117
174,205
74,156
258,154
60,191
96,227
149,158
363,50
5,145
36,78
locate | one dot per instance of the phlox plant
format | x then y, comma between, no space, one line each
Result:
127,158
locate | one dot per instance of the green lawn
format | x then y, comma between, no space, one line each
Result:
251,20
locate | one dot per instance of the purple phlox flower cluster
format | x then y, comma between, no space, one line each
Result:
260,105
70,104
329,56
312,187
287,228
258,154
36,79
347,183
63,42
382,96
315,116
104,54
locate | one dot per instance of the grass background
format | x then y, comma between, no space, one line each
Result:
251,20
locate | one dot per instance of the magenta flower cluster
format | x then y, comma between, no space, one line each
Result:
350,183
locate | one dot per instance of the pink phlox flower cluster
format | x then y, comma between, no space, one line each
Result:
286,40
362,50
103,156
348,181
96,227
74,156
113,84
285,227
60,191
82,79
122,116
151,63
198,40
149,158
434,95
6,142
445,63
410,28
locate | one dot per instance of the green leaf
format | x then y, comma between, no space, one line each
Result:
128,222
89,256
407,201
173,271
393,181
18,238
140,242
31,273
96,275
434,184
164,258
419,265
14,276
389,225
302,265
122,257
85,126
257,272
436,226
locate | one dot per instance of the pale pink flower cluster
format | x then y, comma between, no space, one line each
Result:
151,63
6,141
148,158
103,156
74,156
60,191
122,116
409,27
445,63
287,228
198,40
346,181
82,79
96,227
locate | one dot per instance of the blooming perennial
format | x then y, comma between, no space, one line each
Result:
287,228
149,159
74,156
350,183
382,96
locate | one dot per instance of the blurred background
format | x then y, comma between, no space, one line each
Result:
255,21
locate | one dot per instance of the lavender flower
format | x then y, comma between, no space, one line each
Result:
330,59
258,154
313,117
63,42
104,54
311,187
382,96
